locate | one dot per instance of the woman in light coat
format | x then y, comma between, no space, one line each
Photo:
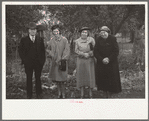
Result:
58,49
85,61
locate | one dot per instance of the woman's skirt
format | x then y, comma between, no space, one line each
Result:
55,74
85,75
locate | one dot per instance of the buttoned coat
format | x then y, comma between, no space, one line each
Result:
107,75
25,47
58,49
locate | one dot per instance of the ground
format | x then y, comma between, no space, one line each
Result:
132,80
16,89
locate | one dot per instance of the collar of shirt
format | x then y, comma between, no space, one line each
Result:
59,38
31,37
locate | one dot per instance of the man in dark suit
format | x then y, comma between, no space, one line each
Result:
32,54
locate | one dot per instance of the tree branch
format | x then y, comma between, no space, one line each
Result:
129,8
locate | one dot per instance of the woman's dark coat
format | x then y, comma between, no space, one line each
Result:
107,75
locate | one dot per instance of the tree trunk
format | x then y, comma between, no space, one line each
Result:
123,20
132,36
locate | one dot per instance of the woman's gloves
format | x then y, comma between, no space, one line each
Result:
89,54
105,60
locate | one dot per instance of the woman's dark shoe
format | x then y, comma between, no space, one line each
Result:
82,97
72,95
63,96
59,96
91,96
39,96
29,97
108,94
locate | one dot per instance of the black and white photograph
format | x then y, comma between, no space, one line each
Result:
76,54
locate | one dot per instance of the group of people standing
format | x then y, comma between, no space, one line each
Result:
96,65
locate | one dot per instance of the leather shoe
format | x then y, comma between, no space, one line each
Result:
39,96
59,96
63,96
82,97
29,97
91,97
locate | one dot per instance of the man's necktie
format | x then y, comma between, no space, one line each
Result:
33,38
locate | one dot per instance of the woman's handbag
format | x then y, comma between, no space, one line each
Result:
62,65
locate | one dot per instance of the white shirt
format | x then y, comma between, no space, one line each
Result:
32,38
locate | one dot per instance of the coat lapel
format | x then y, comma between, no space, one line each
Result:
36,39
37,43
29,38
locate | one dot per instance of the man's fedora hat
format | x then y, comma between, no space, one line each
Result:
32,25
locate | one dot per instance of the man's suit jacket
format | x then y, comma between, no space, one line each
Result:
25,48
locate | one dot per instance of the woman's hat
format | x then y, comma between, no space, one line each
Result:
84,28
56,27
32,25
105,28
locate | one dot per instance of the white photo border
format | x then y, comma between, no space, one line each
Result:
46,109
